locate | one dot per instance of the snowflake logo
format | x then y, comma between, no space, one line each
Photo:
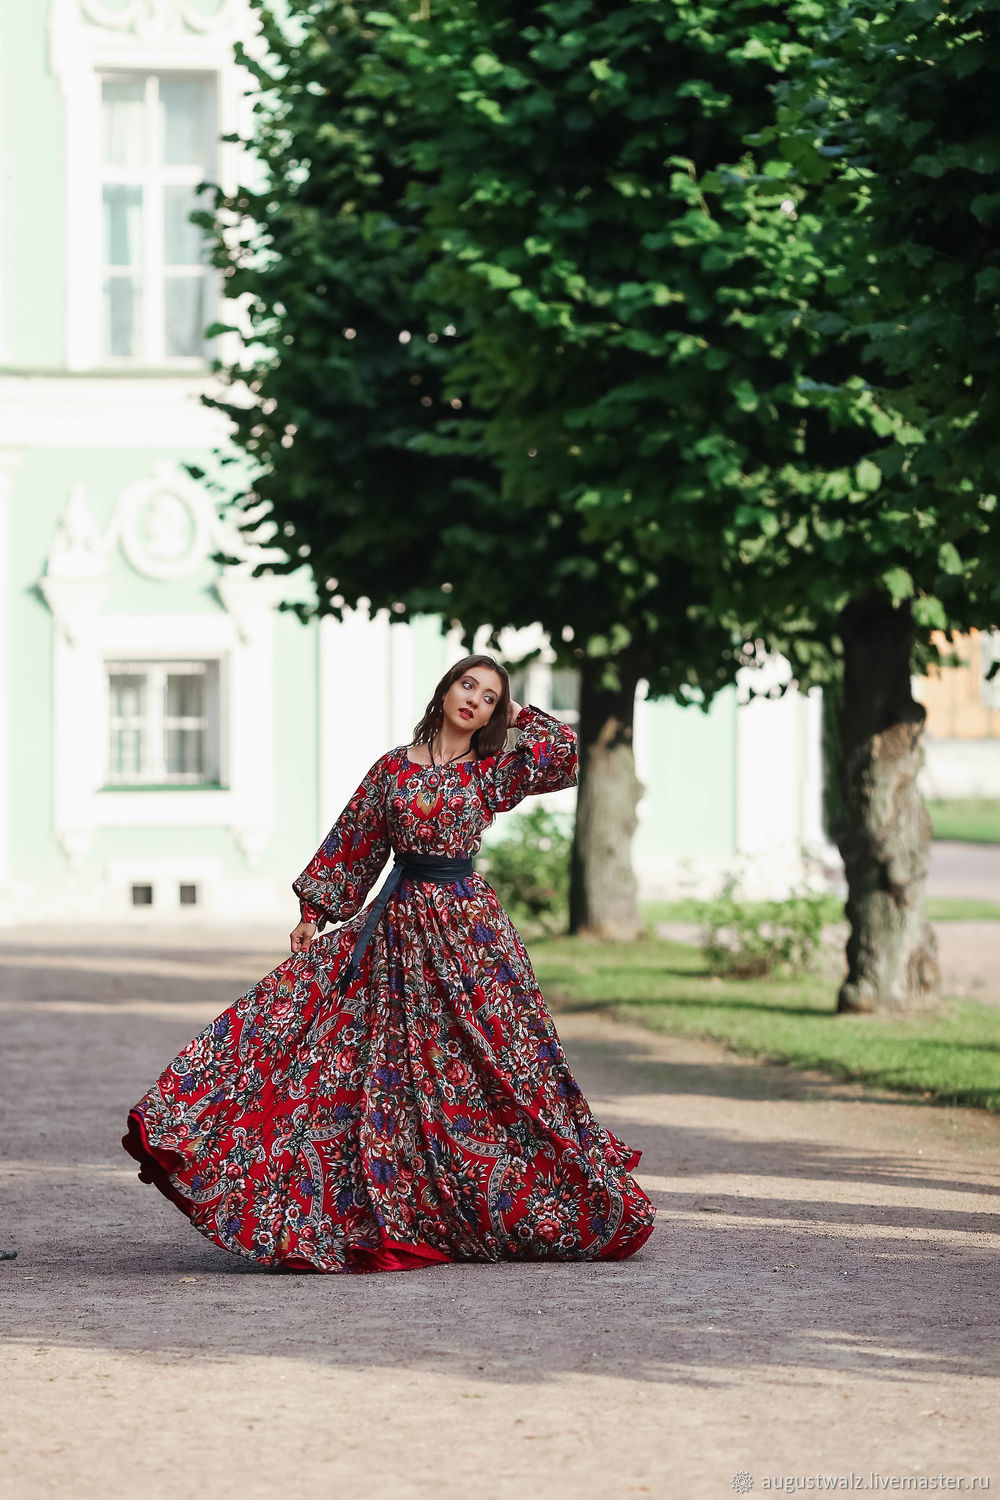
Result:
742,1482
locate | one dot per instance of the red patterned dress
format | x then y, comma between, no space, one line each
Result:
428,1112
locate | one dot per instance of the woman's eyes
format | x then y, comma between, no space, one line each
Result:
489,696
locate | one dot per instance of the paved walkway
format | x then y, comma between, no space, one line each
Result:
818,1297
964,870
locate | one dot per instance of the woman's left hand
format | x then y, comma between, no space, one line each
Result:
301,936
513,709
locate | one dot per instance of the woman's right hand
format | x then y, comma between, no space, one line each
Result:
301,936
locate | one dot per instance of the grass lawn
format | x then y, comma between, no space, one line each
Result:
952,1056
969,822
958,909
694,911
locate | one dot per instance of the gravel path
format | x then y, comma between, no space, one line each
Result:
818,1297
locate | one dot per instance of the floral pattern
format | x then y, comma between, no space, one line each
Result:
427,1112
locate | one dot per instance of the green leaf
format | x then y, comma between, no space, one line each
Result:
949,559
868,475
495,276
746,397
929,612
899,583
985,206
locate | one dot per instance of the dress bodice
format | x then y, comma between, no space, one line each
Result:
402,806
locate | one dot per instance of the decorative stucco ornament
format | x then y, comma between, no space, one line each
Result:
153,19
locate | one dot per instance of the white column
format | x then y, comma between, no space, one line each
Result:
8,463
78,732
640,739
355,696
251,724
400,655
811,815
769,773
4,354
85,246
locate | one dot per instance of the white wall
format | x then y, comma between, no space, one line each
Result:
956,769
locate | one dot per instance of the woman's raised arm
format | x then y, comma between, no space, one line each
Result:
544,759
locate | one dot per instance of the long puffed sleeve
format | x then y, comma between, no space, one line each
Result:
335,882
543,760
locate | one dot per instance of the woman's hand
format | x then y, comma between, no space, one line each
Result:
513,709
301,936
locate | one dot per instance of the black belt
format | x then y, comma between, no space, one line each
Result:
439,869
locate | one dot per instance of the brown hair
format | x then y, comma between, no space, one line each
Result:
491,738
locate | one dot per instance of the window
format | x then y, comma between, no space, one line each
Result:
556,689
519,689
163,723
158,143
565,694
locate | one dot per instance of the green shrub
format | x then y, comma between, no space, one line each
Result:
748,940
529,870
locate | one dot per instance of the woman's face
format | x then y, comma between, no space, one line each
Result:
469,702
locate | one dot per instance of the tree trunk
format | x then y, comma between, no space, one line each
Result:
603,895
885,837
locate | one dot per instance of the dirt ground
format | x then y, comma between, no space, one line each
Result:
818,1300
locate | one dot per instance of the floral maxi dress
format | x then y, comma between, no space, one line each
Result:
426,1111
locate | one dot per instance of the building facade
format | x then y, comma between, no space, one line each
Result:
173,743
962,737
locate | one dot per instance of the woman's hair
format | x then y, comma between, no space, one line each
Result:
491,738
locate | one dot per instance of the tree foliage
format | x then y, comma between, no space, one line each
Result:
887,140
522,350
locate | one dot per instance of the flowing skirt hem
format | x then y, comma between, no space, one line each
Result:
153,1168
390,1255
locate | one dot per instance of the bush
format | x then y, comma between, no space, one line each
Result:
749,940
529,870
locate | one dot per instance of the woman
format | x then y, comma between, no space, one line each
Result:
395,1094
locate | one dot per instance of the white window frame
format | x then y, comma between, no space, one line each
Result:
87,44
156,722
84,803
152,178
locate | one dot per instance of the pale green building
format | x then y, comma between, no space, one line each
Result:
172,743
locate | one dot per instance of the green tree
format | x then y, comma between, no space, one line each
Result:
506,357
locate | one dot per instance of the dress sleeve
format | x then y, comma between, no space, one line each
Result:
335,882
543,760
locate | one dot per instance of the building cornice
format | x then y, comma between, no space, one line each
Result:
100,411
